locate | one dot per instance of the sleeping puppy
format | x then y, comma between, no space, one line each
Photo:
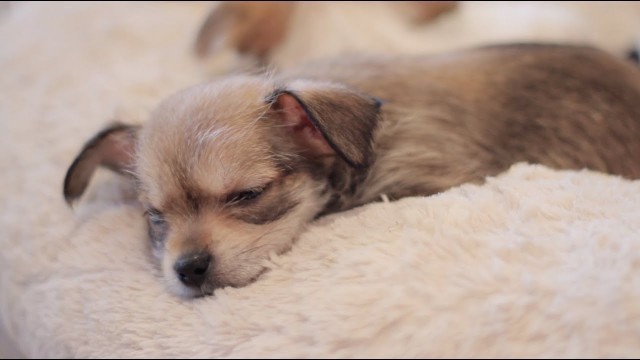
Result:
231,171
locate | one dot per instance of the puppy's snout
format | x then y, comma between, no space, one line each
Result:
192,268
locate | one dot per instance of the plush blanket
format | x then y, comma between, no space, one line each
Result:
535,262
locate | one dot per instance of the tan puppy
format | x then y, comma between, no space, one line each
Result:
232,170
256,28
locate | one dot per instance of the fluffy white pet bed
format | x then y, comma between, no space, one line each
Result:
534,263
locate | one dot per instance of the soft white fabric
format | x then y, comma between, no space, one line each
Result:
534,263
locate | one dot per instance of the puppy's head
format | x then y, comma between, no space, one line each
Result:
230,172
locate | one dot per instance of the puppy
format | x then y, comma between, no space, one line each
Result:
232,170
240,34
257,28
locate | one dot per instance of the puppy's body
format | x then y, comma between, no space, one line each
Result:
232,170
452,119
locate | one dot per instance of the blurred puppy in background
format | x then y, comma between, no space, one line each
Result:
257,28
285,34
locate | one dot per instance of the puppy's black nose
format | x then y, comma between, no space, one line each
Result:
192,268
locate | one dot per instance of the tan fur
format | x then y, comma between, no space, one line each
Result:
250,27
392,126
423,11
584,119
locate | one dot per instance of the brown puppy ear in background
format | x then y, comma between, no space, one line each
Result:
114,148
250,27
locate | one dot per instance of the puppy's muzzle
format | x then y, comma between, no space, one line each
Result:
192,268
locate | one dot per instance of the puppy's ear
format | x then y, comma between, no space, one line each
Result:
250,27
329,119
113,147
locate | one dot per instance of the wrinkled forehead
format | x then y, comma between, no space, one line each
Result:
209,137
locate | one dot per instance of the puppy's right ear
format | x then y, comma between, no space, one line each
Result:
113,148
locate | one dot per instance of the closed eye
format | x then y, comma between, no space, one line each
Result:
245,196
158,226
155,216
